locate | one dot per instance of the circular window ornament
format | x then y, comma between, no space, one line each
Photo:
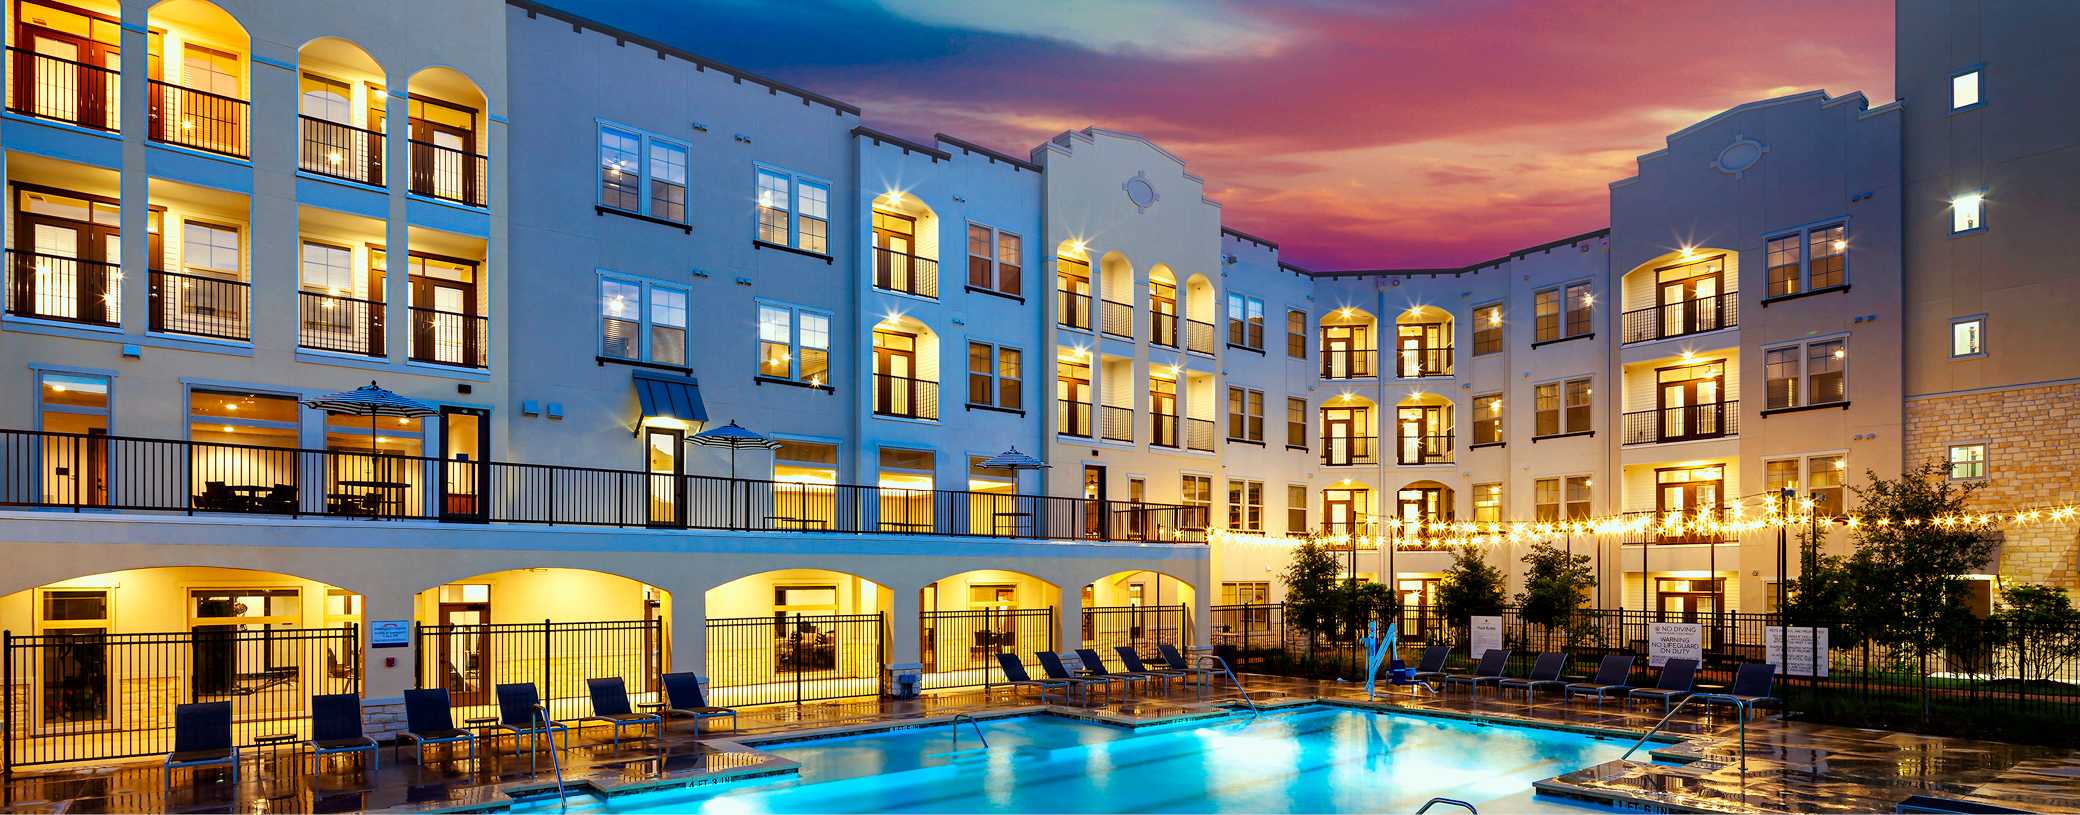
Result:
1740,156
1140,192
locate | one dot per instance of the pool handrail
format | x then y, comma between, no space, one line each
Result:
541,716
957,717
1657,726
1253,709
1453,801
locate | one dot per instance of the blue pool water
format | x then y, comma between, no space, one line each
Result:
1317,760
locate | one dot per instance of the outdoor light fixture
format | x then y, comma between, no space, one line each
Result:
895,197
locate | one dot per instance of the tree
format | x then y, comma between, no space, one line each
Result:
1313,603
1470,588
2041,625
1556,585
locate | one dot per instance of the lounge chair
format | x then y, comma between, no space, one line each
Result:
610,705
1489,670
1176,662
1751,686
1132,660
430,719
1611,678
1051,662
201,738
336,728
1432,665
518,706
1677,677
280,501
1545,673
1094,666
1015,675
683,697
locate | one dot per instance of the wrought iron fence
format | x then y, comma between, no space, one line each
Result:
906,397
1343,451
1117,423
56,287
1118,318
341,151
1163,329
1162,429
340,324
1198,337
1683,423
907,273
794,658
51,87
1198,434
81,693
198,120
1347,364
1423,449
200,306
449,338
1413,363
960,648
447,173
1691,316
1072,418
1140,627
471,661
1246,634
1075,309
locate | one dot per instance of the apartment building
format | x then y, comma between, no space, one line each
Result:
599,271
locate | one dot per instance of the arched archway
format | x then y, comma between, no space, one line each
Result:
1348,436
1423,430
1422,342
906,368
1138,609
554,627
906,245
1692,290
1162,305
967,619
446,115
340,106
796,635
1347,344
1116,280
201,79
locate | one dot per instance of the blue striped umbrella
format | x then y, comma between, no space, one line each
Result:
371,401
735,438
1012,459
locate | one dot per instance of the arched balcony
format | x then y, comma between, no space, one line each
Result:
906,245
199,83
1347,344
906,369
446,116
1688,292
1347,432
1423,343
1423,430
339,110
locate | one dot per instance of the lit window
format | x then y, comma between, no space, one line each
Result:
1545,499
1246,505
1296,422
620,168
1964,213
1968,460
1296,333
1783,266
1967,337
1487,419
1487,503
1578,497
994,259
794,343
1487,329
1821,364
623,173
1296,510
630,329
995,376
1964,90
1545,311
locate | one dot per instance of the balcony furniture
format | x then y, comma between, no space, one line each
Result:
683,697
219,496
201,738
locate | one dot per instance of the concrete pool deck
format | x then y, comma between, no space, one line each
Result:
1791,767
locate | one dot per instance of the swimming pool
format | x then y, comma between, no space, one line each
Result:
1314,760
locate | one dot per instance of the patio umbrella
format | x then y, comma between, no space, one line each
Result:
372,402
735,438
1012,459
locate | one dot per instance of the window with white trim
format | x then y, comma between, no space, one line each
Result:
793,210
794,343
1246,505
995,259
995,376
642,320
1967,461
1245,414
1487,503
1245,321
1808,260
642,173
1968,337
1966,89
1561,408
1810,373
1966,213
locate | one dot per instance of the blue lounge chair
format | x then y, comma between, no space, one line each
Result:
610,705
1094,666
1132,660
1489,670
1544,674
520,713
1051,662
430,719
336,728
201,738
1176,662
1677,677
1752,684
1432,664
1015,675
683,697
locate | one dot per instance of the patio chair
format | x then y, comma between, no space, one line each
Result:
430,719
518,706
201,738
1176,662
1432,664
1094,665
279,501
1610,679
610,705
1051,662
336,729
1132,660
683,697
216,495
1015,675
1752,683
1677,677
1545,673
1490,669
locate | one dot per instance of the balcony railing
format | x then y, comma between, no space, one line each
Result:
1163,329
55,287
342,151
62,90
1347,364
200,306
341,324
1198,337
1162,429
1345,451
1707,421
198,119
1117,424
1198,435
905,397
1119,319
448,338
1075,309
1687,317
1073,418
1423,449
447,173
1415,364
906,273
70,471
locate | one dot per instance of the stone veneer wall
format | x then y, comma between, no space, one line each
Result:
2032,459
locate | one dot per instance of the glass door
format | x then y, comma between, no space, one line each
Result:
667,491
1418,344
1689,297
465,449
1692,494
465,647
74,683
1691,401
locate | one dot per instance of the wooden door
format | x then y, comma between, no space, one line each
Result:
464,653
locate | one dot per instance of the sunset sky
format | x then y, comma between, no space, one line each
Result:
1357,135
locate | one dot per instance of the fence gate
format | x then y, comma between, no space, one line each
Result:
1143,627
471,661
84,695
793,658
960,648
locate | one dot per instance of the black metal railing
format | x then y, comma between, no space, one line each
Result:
1117,423
1118,318
794,658
1423,449
1075,309
1347,364
905,397
55,287
449,338
1344,451
1412,363
1163,430
906,273
76,471
1707,421
1198,337
200,306
1142,628
49,87
198,119
447,173
1073,418
1198,434
79,693
1691,316
341,324
959,648
1248,633
1163,329
471,661
341,151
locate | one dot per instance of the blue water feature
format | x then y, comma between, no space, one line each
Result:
1315,760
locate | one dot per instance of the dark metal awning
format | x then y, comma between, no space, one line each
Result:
668,396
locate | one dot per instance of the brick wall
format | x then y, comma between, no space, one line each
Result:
2033,459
